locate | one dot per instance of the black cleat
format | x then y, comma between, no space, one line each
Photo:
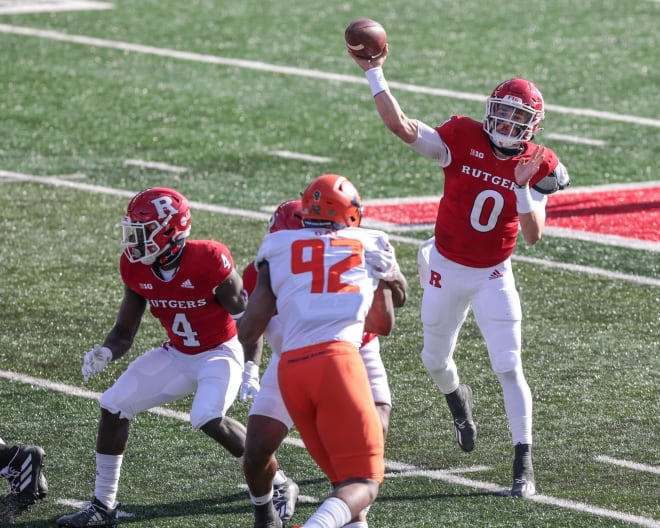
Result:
524,484
265,516
460,404
24,473
93,514
284,499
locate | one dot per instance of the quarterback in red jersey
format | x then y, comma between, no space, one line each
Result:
496,184
193,289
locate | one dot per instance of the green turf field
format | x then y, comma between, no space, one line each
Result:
217,88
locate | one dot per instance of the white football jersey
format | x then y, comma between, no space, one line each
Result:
323,286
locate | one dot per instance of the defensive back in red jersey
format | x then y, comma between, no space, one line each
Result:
477,223
186,306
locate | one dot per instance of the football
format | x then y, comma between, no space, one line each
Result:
366,38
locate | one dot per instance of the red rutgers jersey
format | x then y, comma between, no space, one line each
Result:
477,223
186,305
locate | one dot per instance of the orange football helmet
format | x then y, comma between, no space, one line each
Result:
331,199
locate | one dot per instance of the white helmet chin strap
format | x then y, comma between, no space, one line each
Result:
510,148
501,141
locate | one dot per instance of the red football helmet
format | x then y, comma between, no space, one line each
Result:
514,112
288,215
157,219
331,199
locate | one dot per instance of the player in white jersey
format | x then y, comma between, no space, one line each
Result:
269,421
321,281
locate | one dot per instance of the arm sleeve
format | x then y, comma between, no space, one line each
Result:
430,144
557,180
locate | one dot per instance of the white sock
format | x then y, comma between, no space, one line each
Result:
360,524
518,405
333,513
280,478
108,468
264,499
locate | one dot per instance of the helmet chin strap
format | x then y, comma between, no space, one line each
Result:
171,255
324,224
507,151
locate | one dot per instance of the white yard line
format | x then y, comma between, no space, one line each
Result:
574,139
605,187
300,156
59,182
300,72
599,238
396,469
21,7
255,215
635,466
155,165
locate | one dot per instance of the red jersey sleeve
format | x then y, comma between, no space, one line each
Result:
250,275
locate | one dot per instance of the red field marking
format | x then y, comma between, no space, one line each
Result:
628,213
403,214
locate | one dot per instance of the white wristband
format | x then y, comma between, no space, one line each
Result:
251,368
524,202
377,81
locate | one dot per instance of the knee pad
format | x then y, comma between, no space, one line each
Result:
434,362
506,361
442,371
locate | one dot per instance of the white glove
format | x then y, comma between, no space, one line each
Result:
95,360
383,263
250,386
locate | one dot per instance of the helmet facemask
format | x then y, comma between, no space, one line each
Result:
509,122
138,240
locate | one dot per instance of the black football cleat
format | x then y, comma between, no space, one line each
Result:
524,484
460,404
25,476
93,514
265,516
